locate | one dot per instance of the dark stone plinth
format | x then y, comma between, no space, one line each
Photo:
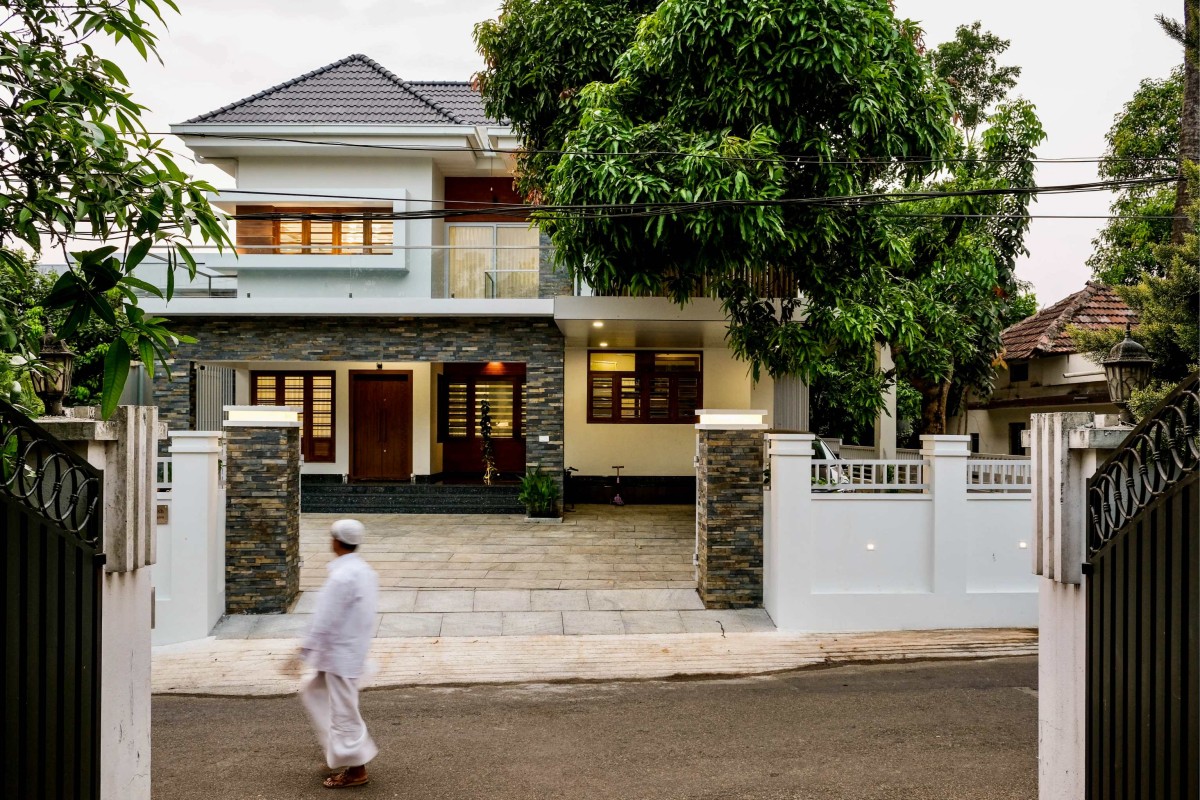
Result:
729,516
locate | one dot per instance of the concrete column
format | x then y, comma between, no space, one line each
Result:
190,578
729,513
885,422
786,578
262,517
123,447
946,475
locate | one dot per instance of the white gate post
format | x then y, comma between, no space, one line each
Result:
1066,450
946,476
787,539
190,582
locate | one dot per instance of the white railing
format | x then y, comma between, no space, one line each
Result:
164,475
999,475
868,475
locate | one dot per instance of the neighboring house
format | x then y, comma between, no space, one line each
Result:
390,333
1044,372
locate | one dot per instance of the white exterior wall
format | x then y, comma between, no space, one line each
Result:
424,397
853,562
661,450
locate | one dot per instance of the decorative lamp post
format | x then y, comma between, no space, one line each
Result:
52,380
1126,369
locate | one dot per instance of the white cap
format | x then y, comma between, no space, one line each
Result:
348,531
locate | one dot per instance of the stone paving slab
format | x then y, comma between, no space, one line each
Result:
248,667
597,547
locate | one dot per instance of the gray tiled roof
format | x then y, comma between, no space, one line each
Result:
354,91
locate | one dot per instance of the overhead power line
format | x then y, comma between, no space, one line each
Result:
666,208
780,159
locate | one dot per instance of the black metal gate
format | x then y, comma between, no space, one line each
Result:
1143,610
53,567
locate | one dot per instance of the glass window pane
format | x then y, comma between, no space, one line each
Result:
676,362
499,397
660,399
602,404
630,397
517,255
687,398
320,236
322,406
470,262
612,362
381,236
291,236
456,410
352,236
264,390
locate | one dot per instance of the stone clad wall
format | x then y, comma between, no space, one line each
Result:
535,341
730,518
262,520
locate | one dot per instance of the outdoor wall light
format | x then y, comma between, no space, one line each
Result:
1023,545
871,546
1126,369
52,380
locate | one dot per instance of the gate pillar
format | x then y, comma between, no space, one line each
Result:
262,509
124,448
1066,449
729,508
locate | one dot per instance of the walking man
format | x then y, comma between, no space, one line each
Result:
337,648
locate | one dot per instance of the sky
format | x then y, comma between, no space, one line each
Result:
1081,61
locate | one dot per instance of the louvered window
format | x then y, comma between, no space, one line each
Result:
462,407
314,231
313,393
644,387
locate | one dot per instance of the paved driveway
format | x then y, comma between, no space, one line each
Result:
596,547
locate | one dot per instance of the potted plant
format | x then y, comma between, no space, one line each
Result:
539,493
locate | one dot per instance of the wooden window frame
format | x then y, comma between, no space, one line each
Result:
307,448
645,371
443,428
365,248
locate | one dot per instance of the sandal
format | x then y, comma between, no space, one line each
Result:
343,780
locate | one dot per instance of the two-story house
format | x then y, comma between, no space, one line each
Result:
387,282
1045,372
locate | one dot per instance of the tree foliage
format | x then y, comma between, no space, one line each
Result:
78,165
977,81
750,102
1143,142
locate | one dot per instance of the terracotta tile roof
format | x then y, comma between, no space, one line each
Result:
1095,307
354,91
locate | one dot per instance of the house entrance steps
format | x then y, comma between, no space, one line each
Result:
602,571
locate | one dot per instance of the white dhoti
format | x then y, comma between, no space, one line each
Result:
332,705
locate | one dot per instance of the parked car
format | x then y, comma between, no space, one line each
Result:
829,476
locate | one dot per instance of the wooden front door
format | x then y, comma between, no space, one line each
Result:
381,426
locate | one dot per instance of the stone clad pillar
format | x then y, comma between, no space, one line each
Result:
729,508
262,510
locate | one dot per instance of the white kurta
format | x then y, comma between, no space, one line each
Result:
337,644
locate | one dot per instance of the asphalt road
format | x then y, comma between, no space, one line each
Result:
959,730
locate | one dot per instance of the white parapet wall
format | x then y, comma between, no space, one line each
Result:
897,545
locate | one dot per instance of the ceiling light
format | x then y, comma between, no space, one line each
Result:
597,324
604,344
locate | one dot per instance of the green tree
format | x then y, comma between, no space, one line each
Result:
977,81
1187,35
78,165
753,103
1143,142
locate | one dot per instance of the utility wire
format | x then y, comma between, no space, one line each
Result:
780,159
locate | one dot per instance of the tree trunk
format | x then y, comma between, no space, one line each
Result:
933,405
1189,138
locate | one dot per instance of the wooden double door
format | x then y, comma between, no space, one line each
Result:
381,407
